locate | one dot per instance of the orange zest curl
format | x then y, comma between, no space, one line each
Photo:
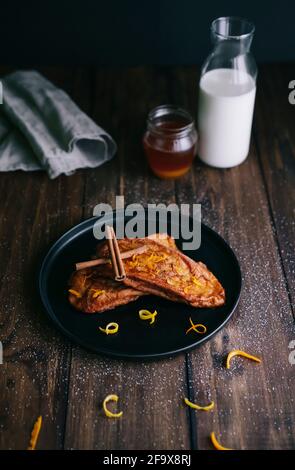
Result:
216,444
110,329
97,292
35,434
147,315
198,328
75,293
238,352
194,406
109,413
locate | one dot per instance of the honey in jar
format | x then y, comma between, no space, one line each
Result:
170,141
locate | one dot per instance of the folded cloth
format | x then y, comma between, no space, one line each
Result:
42,128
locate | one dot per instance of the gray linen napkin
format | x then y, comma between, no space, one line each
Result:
42,128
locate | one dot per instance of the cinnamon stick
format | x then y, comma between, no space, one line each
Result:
120,265
99,261
117,262
110,239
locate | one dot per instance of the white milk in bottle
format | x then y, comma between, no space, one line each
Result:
226,104
227,93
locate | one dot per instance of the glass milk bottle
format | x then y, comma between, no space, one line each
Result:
227,94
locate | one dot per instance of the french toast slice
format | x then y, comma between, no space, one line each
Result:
89,292
92,292
165,271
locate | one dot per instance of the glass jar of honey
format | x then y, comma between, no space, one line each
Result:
170,141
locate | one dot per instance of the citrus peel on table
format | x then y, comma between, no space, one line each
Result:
109,413
198,407
35,434
147,315
198,328
216,444
110,329
238,352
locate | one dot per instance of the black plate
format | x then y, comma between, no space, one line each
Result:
136,339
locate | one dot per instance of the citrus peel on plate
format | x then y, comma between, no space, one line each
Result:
198,328
238,352
97,293
110,329
109,413
35,433
216,444
147,315
75,293
198,407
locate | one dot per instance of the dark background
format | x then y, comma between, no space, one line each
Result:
132,32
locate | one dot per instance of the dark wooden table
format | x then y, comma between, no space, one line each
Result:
251,206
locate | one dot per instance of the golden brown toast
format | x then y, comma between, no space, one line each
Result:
91,292
165,271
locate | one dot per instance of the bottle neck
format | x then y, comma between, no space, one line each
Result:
232,47
232,36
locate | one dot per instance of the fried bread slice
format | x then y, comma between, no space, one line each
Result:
91,292
165,271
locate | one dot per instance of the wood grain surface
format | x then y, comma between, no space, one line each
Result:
251,206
